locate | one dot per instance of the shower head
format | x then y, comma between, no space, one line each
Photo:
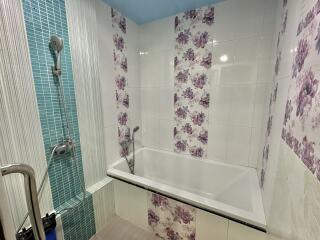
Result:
56,43
136,129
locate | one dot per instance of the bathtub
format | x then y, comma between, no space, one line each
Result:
226,190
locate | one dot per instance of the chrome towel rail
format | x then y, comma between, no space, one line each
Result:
31,196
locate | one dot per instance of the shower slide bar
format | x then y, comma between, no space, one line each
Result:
31,196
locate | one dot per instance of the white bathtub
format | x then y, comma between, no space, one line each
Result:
227,190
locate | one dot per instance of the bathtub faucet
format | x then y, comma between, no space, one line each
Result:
125,149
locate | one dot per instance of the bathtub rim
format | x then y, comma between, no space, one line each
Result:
181,155
255,219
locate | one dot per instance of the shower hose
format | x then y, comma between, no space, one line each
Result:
74,160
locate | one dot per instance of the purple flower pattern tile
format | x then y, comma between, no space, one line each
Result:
263,163
119,26
284,23
277,65
302,53
308,88
301,125
309,18
170,219
192,63
317,39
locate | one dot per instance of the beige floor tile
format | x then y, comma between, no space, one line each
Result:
120,229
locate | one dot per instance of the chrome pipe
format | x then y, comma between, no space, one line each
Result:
31,196
133,154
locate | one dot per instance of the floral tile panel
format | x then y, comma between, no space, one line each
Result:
301,128
192,64
119,25
171,220
262,168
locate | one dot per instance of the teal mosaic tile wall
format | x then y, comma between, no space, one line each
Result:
80,223
44,18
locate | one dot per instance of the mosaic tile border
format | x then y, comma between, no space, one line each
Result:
43,19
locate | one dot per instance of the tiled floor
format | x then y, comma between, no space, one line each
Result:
120,229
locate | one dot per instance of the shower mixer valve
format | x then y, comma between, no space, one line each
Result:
65,147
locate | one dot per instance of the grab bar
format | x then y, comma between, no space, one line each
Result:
31,196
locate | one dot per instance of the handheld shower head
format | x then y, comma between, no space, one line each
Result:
136,129
56,43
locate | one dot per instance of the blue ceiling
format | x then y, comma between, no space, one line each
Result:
143,11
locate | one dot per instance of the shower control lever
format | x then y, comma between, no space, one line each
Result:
55,71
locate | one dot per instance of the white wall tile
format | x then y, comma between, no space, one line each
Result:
295,200
150,132
131,204
135,103
107,82
166,68
244,32
157,38
264,46
134,78
220,109
138,207
240,232
166,134
239,138
121,198
112,145
225,21
166,95
256,146
249,15
135,112
217,141
223,48
149,70
261,104
109,108
84,46
239,73
103,203
265,71
242,97
247,49
269,17
150,101
132,42
210,226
